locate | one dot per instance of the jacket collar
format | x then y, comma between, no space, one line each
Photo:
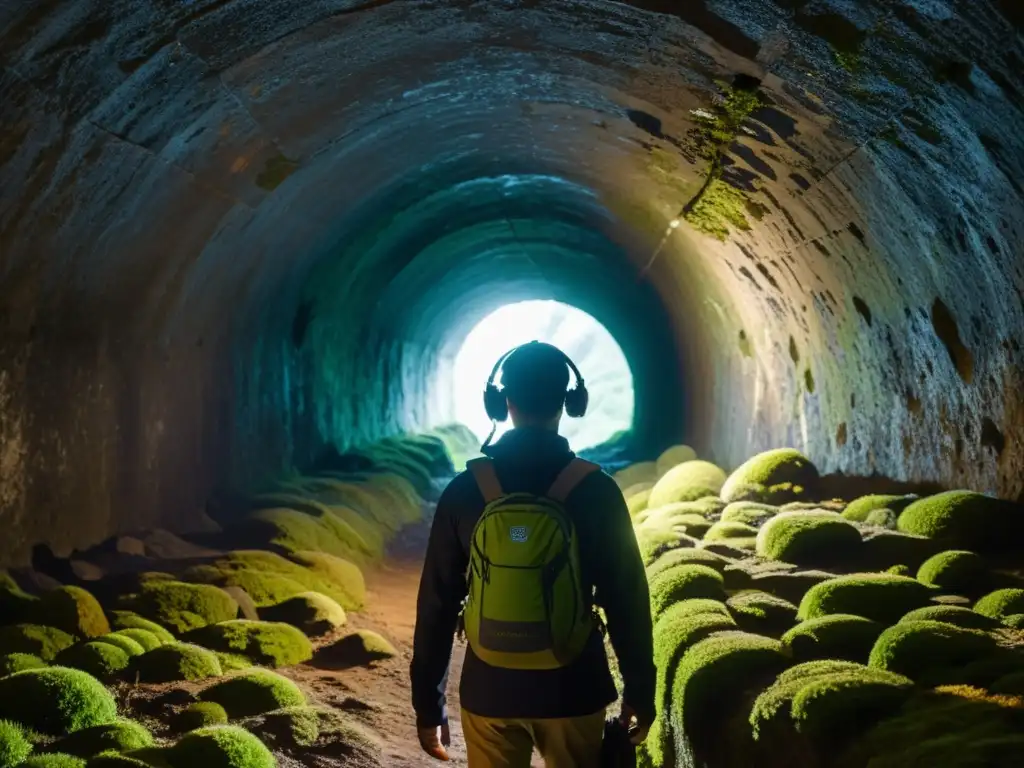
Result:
531,444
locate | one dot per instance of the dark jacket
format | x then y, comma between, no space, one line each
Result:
529,460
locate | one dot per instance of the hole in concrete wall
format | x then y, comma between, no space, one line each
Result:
991,436
949,334
793,351
841,434
862,307
809,380
580,336
746,348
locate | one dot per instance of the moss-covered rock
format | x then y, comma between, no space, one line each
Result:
200,715
174,662
761,612
220,746
53,760
358,648
19,662
637,500
34,639
115,760
55,700
861,509
749,513
270,643
790,585
143,638
882,549
957,571
641,472
691,524
254,692
1014,621
808,538
684,582
689,481
298,728
125,643
312,527
673,457
965,520
686,556
952,614
121,620
1009,685
772,470
918,648
16,605
882,597
654,541
101,660
738,535
1002,602
74,610
184,607
119,736
313,613
14,744
837,636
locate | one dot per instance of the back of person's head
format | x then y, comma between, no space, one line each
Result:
535,378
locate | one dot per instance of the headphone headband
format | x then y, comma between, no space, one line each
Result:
507,355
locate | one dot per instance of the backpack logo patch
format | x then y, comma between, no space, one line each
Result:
519,533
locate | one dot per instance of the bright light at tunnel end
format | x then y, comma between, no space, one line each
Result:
589,344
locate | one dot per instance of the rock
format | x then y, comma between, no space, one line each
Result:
86,571
164,545
361,648
129,545
246,606
32,581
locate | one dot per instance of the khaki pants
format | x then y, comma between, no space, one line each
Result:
569,742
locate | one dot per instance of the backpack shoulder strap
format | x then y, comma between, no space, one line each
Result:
574,473
486,478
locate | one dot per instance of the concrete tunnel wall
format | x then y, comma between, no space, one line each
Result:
232,231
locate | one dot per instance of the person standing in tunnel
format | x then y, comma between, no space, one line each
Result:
524,545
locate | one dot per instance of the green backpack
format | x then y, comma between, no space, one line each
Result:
526,607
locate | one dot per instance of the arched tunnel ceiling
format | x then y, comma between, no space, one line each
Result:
234,230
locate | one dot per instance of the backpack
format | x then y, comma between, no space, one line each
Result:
526,607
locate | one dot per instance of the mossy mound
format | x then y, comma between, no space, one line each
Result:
313,613
654,541
184,607
114,760
673,457
965,520
174,662
16,605
200,715
34,639
689,481
101,660
220,746
878,596
312,527
125,643
324,727
1002,602
14,744
899,570
270,643
357,649
120,620
838,636
637,500
883,549
807,538
957,571
672,517
739,535
774,471
761,612
749,513
55,700
859,510
919,648
233,662
686,556
1009,685
641,472
956,615
883,518
143,638
55,760
254,692
983,672
791,585
74,610
684,582
119,736
1014,621
19,662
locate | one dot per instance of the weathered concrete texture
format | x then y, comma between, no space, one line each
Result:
234,231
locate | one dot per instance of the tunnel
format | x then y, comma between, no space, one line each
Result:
234,233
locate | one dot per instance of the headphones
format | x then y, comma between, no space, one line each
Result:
576,399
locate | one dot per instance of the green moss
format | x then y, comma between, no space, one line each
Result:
18,662
1014,621
883,549
760,612
770,469
731,532
718,208
955,571
791,585
882,518
101,660
689,481
233,662
142,638
200,715
882,597
983,672
1009,685
361,647
860,509
918,648
965,520
16,605
14,744
125,643
655,541
254,692
899,570
129,620
298,531
668,517
748,512
1002,602
313,613
55,700
119,736
637,501
44,642
685,556
807,538
673,457
55,760
114,760
174,662
220,746
323,727
184,607
641,472
683,582
270,643
838,636
75,611
952,614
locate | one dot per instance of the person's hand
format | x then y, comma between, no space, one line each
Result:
435,741
636,726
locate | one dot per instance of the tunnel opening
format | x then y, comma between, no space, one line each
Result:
588,344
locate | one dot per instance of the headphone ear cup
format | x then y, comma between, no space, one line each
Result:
576,401
495,403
